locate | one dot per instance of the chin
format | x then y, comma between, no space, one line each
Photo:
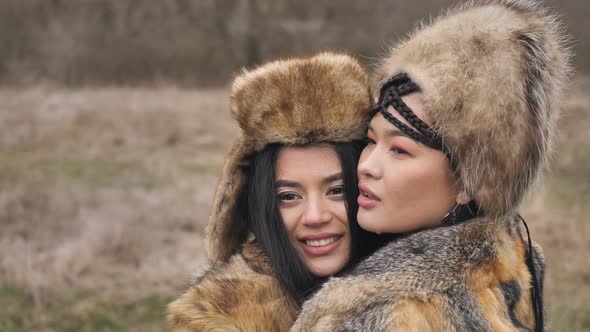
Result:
325,273
328,269
369,224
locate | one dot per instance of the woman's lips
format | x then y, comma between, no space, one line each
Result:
321,246
367,199
366,202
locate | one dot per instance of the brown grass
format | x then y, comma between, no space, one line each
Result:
107,190
557,213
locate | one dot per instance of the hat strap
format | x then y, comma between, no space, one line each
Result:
536,289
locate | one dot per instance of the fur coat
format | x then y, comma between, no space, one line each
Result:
467,277
321,98
238,295
491,76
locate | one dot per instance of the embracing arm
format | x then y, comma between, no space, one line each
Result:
232,296
229,307
463,278
385,307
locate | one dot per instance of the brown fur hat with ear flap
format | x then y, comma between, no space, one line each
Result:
323,98
491,75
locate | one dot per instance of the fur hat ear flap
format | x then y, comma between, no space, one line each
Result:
491,74
224,233
323,98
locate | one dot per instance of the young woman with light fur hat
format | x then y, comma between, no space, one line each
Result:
284,213
465,120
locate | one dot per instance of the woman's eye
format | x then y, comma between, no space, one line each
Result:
369,141
336,191
287,197
399,151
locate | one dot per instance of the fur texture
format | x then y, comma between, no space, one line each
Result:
491,74
467,277
239,295
324,98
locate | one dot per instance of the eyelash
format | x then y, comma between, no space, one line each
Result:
337,187
369,141
282,196
400,151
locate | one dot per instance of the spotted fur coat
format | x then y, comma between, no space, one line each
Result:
467,277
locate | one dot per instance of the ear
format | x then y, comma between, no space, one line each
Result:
463,198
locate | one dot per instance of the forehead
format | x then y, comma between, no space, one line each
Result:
319,159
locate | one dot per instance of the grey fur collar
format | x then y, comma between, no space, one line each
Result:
419,265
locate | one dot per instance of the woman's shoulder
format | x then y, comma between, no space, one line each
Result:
238,295
448,275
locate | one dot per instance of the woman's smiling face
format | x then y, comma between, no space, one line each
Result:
310,192
405,185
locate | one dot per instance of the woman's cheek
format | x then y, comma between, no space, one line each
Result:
289,216
340,211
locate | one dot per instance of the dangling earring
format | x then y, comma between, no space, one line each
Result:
460,213
451,217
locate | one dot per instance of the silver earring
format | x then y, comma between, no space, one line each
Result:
451,217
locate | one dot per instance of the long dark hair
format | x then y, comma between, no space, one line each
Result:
259,206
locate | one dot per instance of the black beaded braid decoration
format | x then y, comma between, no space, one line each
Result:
390,94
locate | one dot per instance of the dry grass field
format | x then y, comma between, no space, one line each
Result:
104,195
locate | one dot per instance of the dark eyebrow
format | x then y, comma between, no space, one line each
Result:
333,177
286,183
294,184
392,132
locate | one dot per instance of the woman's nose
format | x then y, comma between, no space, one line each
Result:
369,164
317,212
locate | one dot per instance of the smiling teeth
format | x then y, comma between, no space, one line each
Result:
321,243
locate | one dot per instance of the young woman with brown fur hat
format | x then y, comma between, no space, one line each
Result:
464,124
284,214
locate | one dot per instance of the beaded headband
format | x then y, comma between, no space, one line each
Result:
390,94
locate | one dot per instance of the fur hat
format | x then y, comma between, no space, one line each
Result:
323,98
491,75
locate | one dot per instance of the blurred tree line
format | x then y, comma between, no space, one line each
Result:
203,42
